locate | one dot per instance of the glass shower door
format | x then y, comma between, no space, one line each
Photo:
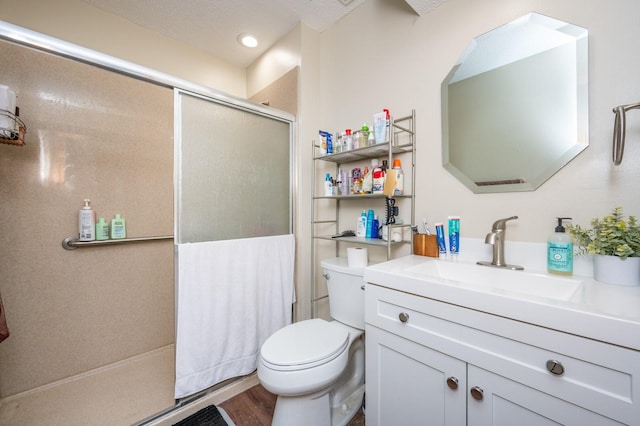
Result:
233,170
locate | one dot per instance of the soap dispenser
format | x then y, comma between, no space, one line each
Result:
560,250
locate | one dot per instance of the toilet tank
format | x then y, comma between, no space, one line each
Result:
346,294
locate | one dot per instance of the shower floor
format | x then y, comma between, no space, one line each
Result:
119,394
129,392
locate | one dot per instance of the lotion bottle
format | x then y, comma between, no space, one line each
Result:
328,186
369,228
102,229
560,250
118,228
361,225
87,222
397,168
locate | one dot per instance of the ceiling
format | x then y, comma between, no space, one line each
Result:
214,25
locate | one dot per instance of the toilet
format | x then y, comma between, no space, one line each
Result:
316,367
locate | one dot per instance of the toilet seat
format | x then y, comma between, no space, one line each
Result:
305,344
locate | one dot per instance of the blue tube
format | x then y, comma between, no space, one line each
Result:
454,235
440,238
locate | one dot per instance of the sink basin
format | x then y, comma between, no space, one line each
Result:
498,280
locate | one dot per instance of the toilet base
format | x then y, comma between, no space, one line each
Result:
312,410
341,415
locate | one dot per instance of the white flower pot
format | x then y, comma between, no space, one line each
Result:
615,270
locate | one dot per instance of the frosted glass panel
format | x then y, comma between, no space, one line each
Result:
234,172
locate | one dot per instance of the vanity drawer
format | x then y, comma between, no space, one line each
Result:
591,374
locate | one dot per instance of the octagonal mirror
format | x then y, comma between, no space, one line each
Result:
515,106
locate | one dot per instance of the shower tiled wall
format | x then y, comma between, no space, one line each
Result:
91,133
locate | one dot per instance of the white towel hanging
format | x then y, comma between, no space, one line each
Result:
231,296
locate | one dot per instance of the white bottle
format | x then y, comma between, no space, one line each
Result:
87,222
361,225
378,180
397,167
348,141
328,186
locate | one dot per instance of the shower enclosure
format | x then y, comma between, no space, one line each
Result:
92,329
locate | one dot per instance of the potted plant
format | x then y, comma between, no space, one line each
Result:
615,244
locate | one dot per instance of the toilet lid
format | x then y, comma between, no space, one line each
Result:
305,344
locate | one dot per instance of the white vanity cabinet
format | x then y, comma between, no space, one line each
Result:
436,363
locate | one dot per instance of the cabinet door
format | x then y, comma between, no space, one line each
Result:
410,384
498,401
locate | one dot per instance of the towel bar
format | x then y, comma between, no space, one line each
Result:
72,243
619,130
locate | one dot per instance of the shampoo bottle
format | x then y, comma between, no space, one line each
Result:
118,228
361,226
328,186
87,222
397,168
560,251
370,218
376,226
102,229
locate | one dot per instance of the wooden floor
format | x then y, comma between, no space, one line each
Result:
254,407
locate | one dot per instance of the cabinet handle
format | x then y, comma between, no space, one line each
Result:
452,382
477,393
326,276
555,367
404,317
362,287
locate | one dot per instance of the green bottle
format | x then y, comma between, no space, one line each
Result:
118,228
102,229
364,135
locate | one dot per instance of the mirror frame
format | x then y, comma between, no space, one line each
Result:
480,46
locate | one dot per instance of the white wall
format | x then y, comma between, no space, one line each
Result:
382,55
282,57
77,22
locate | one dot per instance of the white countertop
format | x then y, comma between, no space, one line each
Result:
603,312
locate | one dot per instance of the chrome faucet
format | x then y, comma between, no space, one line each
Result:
496,239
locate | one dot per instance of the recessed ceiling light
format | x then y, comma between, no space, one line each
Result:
247,40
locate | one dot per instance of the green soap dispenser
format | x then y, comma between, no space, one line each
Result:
118,228
560,250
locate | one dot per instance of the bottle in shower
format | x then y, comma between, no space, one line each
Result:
118,228
102,229
87,222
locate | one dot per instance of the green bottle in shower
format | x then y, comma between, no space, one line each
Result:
102,229
118,228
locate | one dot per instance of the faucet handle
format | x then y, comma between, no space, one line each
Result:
500,224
